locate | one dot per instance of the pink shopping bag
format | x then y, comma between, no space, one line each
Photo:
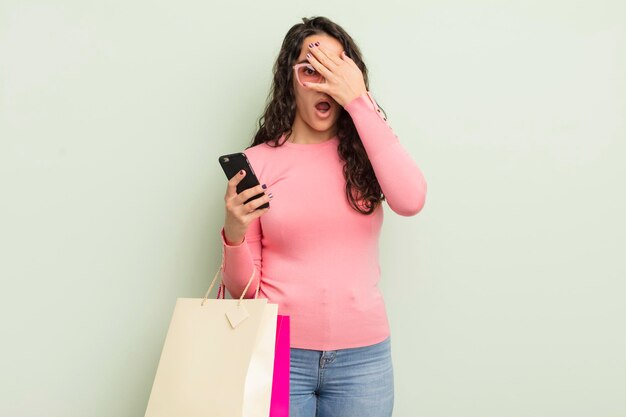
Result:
280,385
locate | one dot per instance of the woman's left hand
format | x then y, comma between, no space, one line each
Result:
344,79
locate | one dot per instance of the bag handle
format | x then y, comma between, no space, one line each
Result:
219,271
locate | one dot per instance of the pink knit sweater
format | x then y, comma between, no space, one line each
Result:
316,256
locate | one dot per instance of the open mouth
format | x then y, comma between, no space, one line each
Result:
323,106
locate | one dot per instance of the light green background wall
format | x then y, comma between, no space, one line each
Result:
505,294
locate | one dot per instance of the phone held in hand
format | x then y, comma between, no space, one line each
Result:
235,162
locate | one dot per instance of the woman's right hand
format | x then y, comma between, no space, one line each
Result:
238,214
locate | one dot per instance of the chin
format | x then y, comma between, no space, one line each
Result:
323,124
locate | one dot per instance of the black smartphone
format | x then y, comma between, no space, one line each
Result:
235,162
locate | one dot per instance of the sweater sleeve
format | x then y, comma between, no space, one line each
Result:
400,179
240,260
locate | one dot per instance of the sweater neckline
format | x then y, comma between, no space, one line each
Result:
310,146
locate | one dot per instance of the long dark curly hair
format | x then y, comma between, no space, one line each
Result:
362,188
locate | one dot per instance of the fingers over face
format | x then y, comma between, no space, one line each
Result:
318,65
349,60
327,58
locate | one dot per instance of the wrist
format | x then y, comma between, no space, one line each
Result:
232,239
353,98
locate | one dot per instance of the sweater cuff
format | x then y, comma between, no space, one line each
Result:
364,102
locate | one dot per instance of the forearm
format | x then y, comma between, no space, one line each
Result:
399,177
238,267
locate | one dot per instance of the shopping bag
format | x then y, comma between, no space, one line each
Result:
217,359
280,384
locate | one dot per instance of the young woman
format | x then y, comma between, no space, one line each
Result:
326,158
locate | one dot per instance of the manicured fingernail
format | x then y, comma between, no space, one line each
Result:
311,45
264,186
308,55
270,195
241,172
317,43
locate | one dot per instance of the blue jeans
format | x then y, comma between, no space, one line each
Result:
354,382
